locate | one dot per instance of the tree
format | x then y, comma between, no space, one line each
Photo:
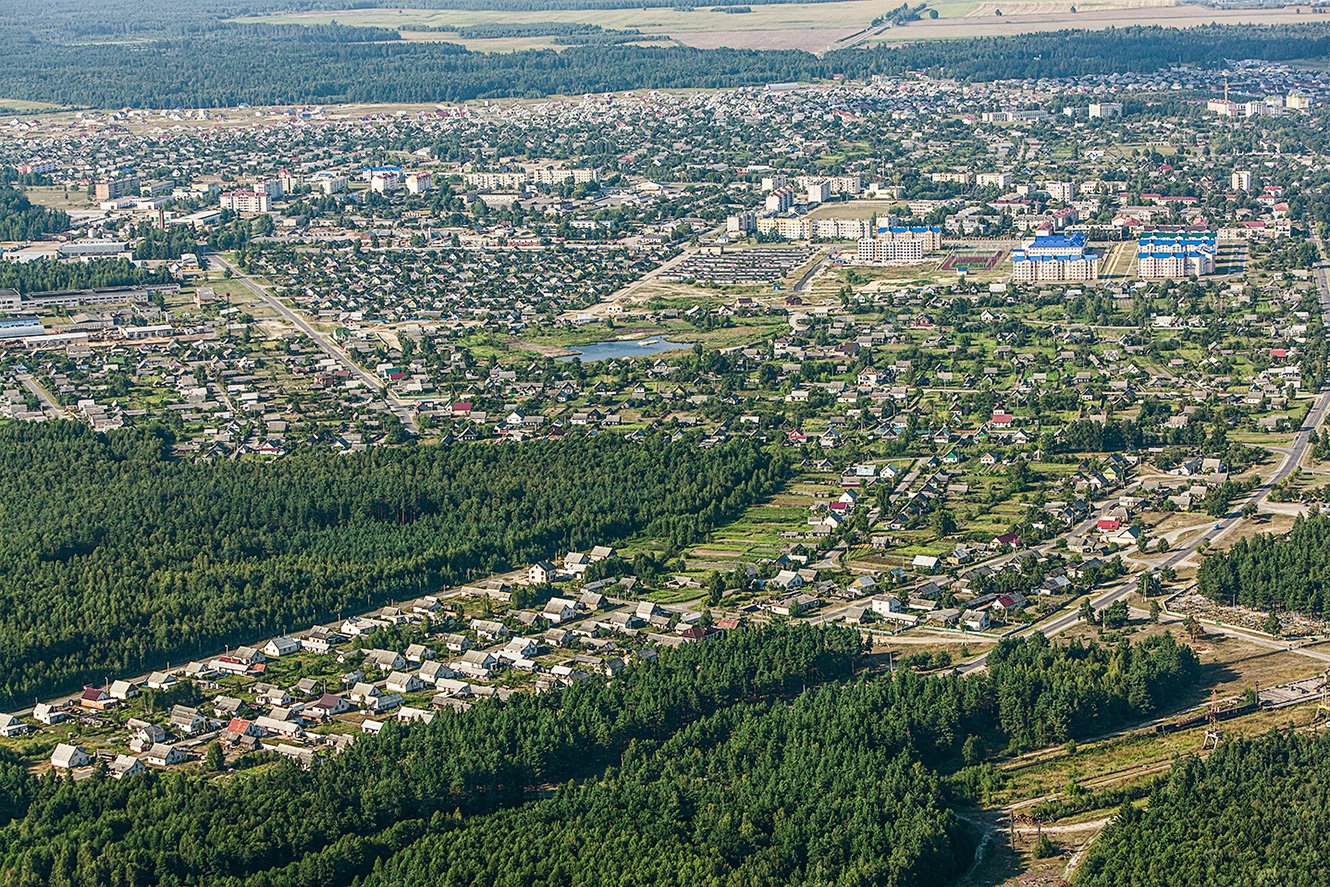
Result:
214,758
715,589
1116,614
1272,625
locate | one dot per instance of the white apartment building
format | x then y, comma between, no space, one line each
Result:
246,201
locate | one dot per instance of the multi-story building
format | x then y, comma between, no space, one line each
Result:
419,182
993,180
110,189
330,183
38,167
1242,180
495,181
779,200
1105,109
1176,254
557,175
246,201
929,235
817,192
741,223
851,185
881,251
1055,258
1063,192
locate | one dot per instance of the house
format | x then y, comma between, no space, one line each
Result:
267,694
925,562
327,705
406,714
404,682
45,713
520,648
126,765
143,735
541,573
307,687
161,680
795,605
97,699
975,620
123,690
67,757
592,600
559,609
456,643
249,655
187,720
489,631
1008,540
430,672
476,663
600,553
165,755
385,660
12,726
239,727
278,726
281,646
383,702
418,653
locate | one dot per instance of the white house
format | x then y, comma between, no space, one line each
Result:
67,757
165,755
281,646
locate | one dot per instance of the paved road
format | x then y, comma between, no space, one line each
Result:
802,285
48,401
401,408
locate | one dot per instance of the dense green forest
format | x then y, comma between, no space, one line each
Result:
1255,812
115,557
21,220
195,65
838,777
1270,572
36,277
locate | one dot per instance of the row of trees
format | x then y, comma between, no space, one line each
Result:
36,277
758,758
116,557
334,64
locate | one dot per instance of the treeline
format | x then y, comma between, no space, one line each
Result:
353,65
759,758
1253,812
20,219
36,277
116,558
1273,573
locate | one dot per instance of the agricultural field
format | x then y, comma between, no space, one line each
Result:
813,27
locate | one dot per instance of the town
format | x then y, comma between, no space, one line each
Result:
1026,350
